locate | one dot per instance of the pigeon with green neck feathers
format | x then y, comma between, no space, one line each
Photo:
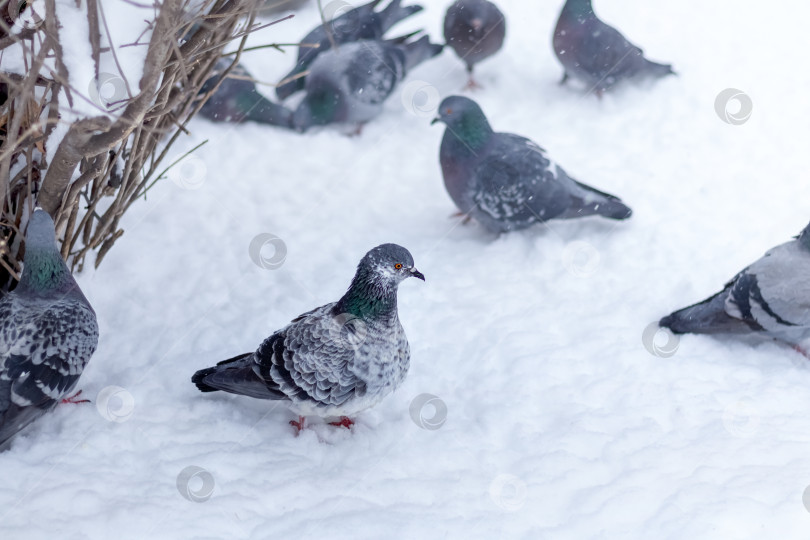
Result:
336,360
507,182
596,53
48,332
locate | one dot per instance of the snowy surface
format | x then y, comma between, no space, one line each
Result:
560,423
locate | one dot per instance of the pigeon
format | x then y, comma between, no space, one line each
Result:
507,182
336,360
48,332
596,53
348,85
768,299
475,29
274,7
361,23
237,100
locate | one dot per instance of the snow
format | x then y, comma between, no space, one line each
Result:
559,422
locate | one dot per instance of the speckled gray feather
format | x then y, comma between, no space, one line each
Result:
48,332
507,182
596,53
769,298
349,85
361,23
337,359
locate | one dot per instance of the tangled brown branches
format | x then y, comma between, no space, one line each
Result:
104,162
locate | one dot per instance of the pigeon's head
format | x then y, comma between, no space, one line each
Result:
389,263
465,119
320,107
41,233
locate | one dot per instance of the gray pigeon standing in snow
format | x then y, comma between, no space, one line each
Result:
770,298
596,53
335,360
361,23
349,85
48,332
507,182
475,29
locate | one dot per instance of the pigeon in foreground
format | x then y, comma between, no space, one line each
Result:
48,332
475,29
237,100
349,85
596,53
361,23
507,182
335,360
770,299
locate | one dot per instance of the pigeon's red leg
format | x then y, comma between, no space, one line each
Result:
299,425
803,352
345,421
466,217
74,399
472,84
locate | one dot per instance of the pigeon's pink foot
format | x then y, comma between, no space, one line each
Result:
299,425
345,421
472,85
801,351
73,400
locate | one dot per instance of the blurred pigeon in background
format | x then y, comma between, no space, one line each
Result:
237,100
348,85
361,23
770,298
48,332
507,182
596,53
274,7
475,29
335,360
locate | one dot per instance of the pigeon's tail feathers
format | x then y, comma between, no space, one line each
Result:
236,376
399,40
659,70
292,83
15,419
274,114
395,12
420,50
596,203
706,317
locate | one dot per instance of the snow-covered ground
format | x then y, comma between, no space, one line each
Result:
559,422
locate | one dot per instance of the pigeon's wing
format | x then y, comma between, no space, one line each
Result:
310,359
773,291
515,182
42,354
605,53
373,72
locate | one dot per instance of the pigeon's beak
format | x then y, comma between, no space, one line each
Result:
435,121
417,274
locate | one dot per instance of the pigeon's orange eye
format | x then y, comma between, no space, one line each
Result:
398,266
448,111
